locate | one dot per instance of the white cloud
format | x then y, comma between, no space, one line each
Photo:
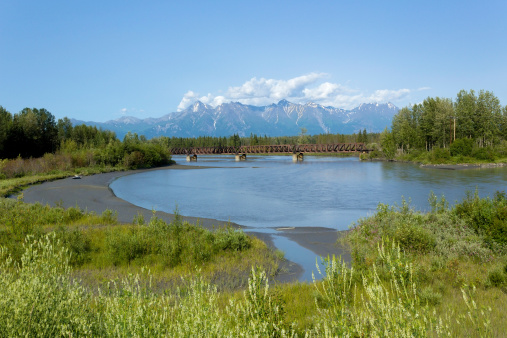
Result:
189,98
384,95
301,89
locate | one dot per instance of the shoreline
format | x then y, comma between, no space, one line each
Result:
444,166
463,166
93,194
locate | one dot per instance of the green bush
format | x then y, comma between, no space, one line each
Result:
488,217
230,239
428,296
474,229
37,297
414,238
462,147
173,244
440,155
484,154
77,243
497,278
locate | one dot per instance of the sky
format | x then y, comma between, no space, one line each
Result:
101,60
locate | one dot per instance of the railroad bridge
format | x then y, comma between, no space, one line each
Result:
297,151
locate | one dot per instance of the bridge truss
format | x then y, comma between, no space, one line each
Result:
274,149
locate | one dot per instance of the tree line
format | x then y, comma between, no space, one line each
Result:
472,120
34,132
254,139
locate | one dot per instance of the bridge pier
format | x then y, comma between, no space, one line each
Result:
191,158
240,157
297,157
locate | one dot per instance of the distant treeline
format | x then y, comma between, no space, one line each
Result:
472,121
254,139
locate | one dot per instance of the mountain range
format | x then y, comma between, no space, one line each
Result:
281,119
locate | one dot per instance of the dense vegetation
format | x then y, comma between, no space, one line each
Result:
443,273
34,133
472,128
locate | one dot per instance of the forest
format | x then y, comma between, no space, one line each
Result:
472,127
32,142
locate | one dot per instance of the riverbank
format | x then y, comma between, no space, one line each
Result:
444,166
464,166
92,193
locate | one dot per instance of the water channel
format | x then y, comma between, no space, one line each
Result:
268,192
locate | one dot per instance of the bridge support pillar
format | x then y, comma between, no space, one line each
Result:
297,157
240,157
192,158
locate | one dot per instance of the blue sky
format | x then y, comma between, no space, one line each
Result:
100,60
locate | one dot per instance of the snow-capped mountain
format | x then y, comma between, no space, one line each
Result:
281,119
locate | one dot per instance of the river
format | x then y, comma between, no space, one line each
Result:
267,192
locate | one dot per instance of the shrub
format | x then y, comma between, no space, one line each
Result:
173,244
462,147
37,298
259,313
429,297
126,246
109,216
439,155
228,238
496,277
488,217
484,154
77,243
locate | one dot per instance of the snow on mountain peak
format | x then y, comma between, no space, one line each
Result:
198,105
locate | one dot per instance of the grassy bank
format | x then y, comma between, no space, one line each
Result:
449,250
473,155
102,248
65,271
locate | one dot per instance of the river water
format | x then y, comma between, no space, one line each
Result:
267,192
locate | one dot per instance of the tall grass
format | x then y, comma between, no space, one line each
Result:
413,274
39,298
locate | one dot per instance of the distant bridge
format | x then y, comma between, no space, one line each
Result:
297,151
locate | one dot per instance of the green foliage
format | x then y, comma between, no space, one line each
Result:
440,155
473,126
374,306
172,244
37,298
77,243
259,313
484,154
497,277
387,143
462,147
487,217
468,230
427,296
37,144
